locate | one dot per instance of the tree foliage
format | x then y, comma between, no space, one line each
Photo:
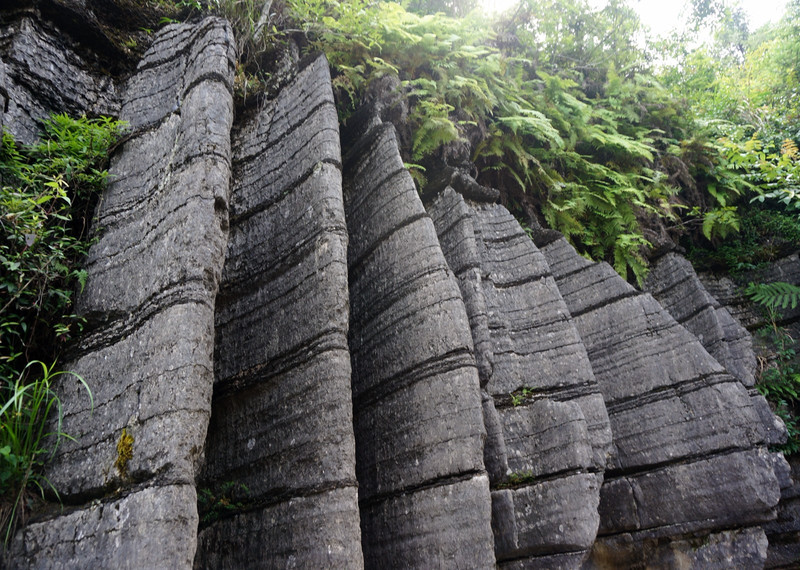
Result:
560,106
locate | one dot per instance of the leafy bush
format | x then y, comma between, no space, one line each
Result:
556,104
48,192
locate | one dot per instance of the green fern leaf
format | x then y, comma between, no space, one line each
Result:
777,295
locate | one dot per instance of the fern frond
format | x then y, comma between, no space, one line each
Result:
777,295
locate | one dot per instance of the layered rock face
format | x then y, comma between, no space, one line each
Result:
149,299
423,491
346,378
551,430
677,417
282,422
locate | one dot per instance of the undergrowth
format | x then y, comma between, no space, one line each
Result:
48,192
766,234
30,434
779,374
779,382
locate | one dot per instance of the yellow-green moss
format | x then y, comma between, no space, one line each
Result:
124,452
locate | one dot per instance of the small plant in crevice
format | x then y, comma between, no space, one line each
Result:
124,452
30,433
516,479
520,396
224,500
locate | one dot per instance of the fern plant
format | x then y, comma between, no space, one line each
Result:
776,295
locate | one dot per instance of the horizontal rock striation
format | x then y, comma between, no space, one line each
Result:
674,283
553,432
149,298
282,425
423,491
677,417
344,379
41,73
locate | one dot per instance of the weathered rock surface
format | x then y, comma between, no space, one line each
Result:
784,532
282,421
677,417
40,74
149,297
385,386
417,410
674,283
554,439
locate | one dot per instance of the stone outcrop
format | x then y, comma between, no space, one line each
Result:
282,419
41,73
149,299
674,283
729,293
552,428
677,416
296,364
423,491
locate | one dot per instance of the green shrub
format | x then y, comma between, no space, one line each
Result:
779,380
48,192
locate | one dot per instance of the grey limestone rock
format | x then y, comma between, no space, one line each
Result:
445,526
150,294
528,523
523,338
153,278
314,531
784,532
154,527
730,296
677,417
282,422
43,76
359,377
745,548
416,394
674,283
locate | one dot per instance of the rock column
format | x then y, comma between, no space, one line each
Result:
553,427
280,445
423,491
149,300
